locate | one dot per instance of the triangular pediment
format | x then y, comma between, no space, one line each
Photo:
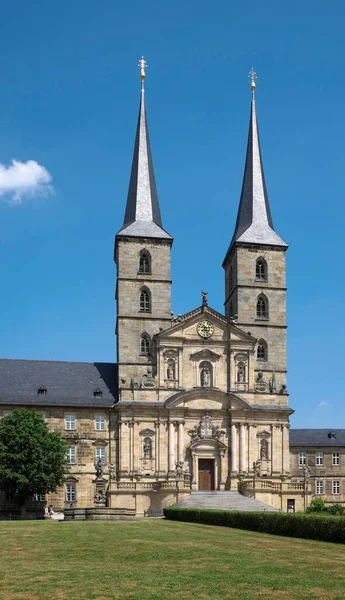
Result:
186,325
147,432
205,355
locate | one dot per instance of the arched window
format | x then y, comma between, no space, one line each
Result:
261,269
147,447
145,343
145,300
206,374
145,262
261,352
262,307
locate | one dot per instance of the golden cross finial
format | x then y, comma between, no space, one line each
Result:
143,65
252,76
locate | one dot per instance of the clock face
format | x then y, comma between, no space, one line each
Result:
205,329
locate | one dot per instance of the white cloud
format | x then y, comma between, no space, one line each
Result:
322,404
20,179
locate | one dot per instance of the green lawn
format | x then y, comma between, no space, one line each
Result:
163,560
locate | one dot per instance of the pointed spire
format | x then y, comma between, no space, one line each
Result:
254,223
142,217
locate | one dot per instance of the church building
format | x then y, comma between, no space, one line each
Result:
197,402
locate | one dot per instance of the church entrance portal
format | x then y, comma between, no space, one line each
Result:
206,474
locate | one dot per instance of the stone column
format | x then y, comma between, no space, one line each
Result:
274,450
119,450
234,467
242,448
194,471
157,441
181,441
222,474
286,453
171,451
125,446
282,453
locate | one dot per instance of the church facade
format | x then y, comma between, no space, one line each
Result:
195,402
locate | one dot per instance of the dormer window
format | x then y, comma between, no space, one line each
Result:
98,393
331,435
42,391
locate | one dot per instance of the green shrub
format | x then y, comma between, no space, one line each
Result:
316,505
326,528
335,509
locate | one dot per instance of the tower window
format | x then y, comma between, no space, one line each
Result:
261,269
145,262
145,301
262,307
261,352
144,343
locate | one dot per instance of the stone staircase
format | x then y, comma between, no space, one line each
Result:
232,500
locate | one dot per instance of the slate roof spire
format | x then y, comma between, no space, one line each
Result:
254,223
142,216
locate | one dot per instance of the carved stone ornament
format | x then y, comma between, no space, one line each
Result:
260,385
206,430
148,381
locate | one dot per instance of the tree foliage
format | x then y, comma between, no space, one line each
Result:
32,459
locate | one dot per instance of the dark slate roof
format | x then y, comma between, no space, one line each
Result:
67,383
143,216
317,437
254,223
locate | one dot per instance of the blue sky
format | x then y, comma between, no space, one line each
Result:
69,94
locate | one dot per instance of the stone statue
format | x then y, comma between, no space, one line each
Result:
147,448
100,495
204,298
99,469
306,472
240,373
179,468
264,449
257,468
205,377
171,370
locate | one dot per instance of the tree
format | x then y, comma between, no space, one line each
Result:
32,459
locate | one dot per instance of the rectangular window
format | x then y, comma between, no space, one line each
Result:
302,459
100,422
100,454
70,422
335,459
319,487
335,487
319,459
70,492
39,497
71,455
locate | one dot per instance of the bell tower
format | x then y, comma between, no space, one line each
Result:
142,256
254,265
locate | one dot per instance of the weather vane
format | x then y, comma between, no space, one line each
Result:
143,65
252,76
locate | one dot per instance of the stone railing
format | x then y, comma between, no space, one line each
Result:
182,483
250,486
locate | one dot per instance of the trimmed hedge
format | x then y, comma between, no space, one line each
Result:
325,528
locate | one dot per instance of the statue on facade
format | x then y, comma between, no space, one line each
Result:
171,370
147,447
205,377
99,469
179,468
257,468
264,450
204,298
241,373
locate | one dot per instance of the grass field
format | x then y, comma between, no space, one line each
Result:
162,560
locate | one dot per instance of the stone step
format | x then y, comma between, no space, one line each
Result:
231,500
